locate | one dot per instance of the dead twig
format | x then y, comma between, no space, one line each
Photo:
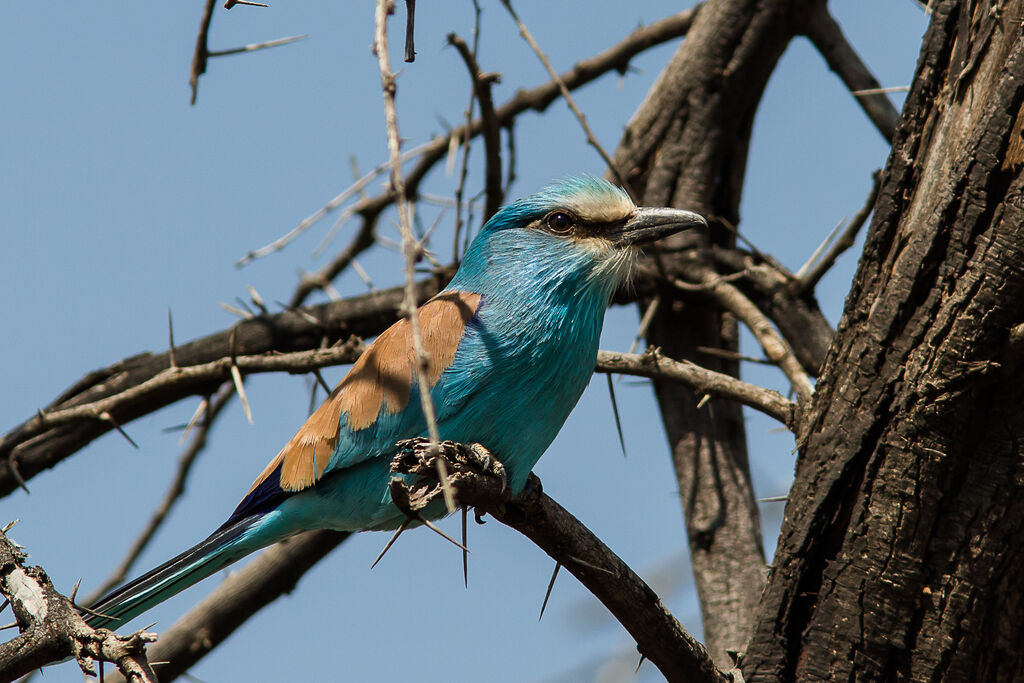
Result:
410,246
591,138
491,128
807,281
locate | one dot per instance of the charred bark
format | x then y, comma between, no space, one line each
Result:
902,552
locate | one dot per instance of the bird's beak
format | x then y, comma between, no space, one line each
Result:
649,224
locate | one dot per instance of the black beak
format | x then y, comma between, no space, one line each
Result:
650,224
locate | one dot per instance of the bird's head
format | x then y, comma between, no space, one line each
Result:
580,235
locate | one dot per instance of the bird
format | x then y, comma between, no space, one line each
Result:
510,344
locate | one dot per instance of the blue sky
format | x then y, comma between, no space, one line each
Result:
120,201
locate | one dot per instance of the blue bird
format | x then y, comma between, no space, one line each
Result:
511,343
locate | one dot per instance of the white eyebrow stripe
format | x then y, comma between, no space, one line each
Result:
601,209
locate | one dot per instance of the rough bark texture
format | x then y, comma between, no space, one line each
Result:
902,553
687,147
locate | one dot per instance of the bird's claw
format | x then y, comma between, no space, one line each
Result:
482,459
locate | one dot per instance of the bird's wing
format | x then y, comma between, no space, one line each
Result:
368,407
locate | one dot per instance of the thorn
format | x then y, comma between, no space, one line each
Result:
465,553
231,3
203,406
615,412
74,591
13,467
9,526
236,377
773,499
398,532
410,49
3,606
7,626
257,300
591,566
642,658
170,338
645,322
110,418
320,379
703,401
547,593
433,527
237,311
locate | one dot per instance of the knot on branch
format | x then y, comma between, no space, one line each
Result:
128,653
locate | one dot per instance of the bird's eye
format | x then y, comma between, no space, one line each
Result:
560,221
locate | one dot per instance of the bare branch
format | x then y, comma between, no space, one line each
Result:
845,241
826,35
775,347
52,630
591,138
491,129
658,635
202,51
410,247
703,381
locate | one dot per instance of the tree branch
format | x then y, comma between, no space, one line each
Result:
824,32
705,382
52,630
491,128
291,330
564,538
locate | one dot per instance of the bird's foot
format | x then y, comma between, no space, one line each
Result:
463,462
485,463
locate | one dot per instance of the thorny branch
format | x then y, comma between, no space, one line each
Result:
659,637
410,246
51,628
615,58
705,382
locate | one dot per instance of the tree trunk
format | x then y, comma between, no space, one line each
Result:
902,551
687,147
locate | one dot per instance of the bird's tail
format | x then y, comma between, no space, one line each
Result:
228,544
